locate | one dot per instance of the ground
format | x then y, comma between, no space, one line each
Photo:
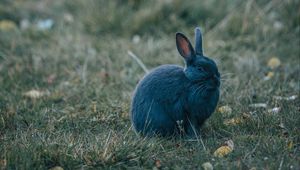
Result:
67,79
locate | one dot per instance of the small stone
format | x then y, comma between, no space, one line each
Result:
207,166
274,110
136,39
45,24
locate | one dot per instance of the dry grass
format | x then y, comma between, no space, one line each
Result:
82,66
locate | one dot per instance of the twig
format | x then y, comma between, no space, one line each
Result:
138,61
106,144
162,147
281,163
202,143
246,13
127,132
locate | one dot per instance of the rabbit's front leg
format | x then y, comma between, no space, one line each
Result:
192,127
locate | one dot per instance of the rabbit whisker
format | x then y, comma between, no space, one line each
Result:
194,92
224,79
201,89
227,74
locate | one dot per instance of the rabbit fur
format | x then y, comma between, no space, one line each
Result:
174,100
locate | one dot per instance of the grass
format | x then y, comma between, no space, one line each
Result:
82,63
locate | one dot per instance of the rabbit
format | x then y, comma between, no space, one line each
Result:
172,100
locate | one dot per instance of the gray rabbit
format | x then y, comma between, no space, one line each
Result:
172,100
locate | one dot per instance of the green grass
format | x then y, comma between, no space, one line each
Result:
83,64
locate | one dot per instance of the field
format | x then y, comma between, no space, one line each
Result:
66,81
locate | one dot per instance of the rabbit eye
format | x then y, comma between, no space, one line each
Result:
200,69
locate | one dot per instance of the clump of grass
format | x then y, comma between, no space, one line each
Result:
83,63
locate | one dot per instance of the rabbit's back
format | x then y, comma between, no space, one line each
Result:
161,83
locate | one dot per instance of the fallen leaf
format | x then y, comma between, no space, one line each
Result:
51,78
3,163
224,150
246,115
290,145
269,75
207,166
274,62
34,94
56,168
94,106
226,110
157,164
7,25
233,121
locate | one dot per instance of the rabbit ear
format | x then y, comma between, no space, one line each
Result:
184,46
198,41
